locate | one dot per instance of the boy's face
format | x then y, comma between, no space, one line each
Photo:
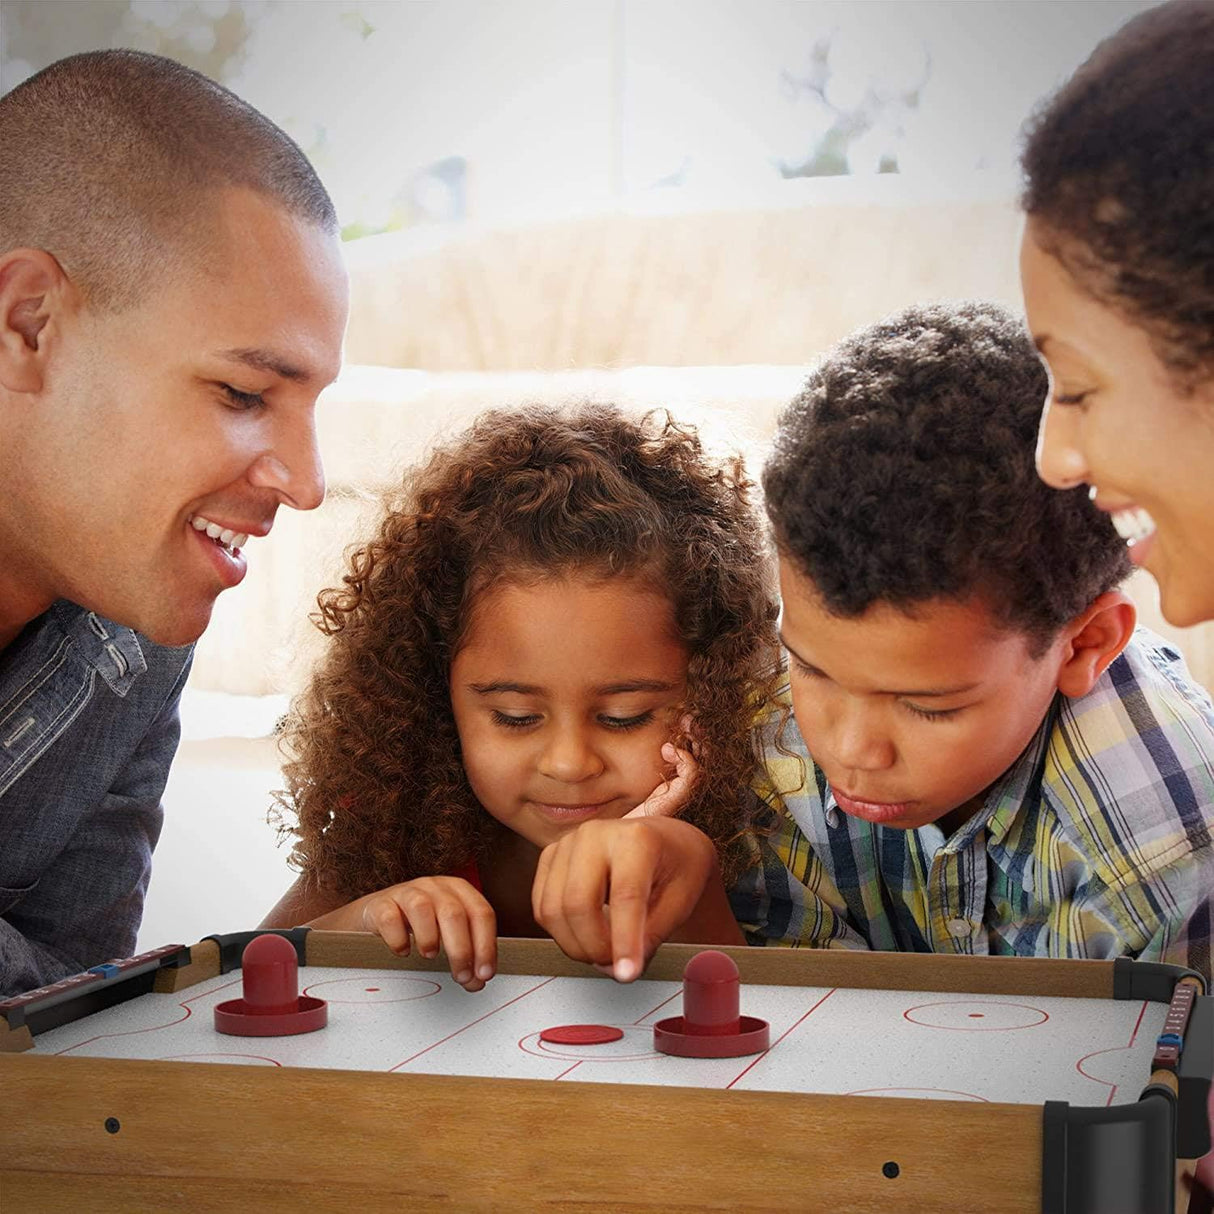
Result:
911,718
197,403
563,694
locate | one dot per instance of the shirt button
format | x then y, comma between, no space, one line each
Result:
959,927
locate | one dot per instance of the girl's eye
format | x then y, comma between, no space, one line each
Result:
930,714
243,400
625,723
809,672
503,718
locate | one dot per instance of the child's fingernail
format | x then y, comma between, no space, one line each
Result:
430,953
485,973
625,970
463,976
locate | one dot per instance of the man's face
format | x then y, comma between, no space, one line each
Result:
563,695
194,407
911,718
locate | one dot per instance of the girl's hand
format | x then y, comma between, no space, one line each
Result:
429,912
670,797
611,891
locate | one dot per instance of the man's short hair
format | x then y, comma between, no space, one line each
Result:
110,160
904,473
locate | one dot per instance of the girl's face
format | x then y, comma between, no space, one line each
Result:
563,693
1116,421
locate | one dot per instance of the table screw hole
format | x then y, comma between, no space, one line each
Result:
112,1125
890,1169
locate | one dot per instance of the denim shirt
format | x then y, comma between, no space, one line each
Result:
88,729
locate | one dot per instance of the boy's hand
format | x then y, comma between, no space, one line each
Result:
434,911
611,891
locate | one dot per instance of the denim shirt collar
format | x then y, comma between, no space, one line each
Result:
111,649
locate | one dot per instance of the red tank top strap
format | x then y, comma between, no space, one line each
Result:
471,874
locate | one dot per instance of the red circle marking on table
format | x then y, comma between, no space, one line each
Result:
581,1034
1002,1017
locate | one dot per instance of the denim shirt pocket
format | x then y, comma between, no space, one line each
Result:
10,895
57,688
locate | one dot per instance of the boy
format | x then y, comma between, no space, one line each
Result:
994,760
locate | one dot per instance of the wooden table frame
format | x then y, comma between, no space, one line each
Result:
102,1134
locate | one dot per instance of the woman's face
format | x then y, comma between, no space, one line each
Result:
1116,420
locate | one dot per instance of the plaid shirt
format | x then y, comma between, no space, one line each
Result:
1095,843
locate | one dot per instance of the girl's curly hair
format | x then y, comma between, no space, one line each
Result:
374,775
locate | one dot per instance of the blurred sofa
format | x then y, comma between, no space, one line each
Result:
715,316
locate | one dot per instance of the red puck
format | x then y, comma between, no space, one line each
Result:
581,1034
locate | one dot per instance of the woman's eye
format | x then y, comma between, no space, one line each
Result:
624,723
511,722
243,400
1071,398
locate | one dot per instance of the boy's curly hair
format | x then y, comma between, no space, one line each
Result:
1119,178
904,473
374,774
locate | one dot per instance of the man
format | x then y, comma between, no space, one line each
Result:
172,300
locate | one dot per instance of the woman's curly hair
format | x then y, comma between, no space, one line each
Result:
374,773
1119,178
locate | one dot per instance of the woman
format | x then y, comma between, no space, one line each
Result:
1117,266
1118,272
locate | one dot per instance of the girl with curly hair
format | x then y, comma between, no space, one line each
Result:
501,731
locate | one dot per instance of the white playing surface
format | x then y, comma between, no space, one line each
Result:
894,1043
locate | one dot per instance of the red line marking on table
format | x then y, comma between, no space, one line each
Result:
946,1091
151,1028
220,1054
755,1061
638,1021
492,1012
1138,1023
660,1006
1142,1011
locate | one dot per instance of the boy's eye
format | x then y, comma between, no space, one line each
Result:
243,400
624,723
931,714
1070,398
512,722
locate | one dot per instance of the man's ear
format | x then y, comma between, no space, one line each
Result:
33,287
1093,640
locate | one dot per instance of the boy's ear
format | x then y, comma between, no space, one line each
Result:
32,287
1093,640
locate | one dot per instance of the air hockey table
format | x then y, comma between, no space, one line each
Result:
904,1082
